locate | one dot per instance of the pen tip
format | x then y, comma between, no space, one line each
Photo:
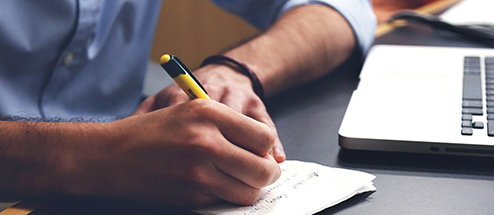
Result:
165,58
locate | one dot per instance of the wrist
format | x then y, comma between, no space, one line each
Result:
239,67
83,149
39,158
215,74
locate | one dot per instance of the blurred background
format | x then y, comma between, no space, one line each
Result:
195,29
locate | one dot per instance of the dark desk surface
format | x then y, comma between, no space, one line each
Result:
308,123
308,119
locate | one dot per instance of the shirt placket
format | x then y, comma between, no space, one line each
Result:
74,56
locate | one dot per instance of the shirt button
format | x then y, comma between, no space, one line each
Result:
69,57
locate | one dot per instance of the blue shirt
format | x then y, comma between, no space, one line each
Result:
87,58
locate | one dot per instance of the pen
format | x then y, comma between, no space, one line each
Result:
183,77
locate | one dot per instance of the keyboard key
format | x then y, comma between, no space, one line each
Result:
472,70
472,87
466,117
471,63
472,59
466,124
473,111
472,104
489,68
490,110
490,117
490,128
478,125
489,60
466,131
489,92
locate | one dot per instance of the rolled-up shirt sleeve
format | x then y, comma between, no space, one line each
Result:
263,13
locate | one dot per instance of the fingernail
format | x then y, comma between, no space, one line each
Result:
279,154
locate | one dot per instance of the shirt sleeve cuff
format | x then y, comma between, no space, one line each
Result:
358,13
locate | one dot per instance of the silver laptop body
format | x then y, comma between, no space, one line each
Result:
412,99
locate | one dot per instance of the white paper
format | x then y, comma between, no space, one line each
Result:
303,188
470,12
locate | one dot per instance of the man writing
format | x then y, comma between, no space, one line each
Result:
71,75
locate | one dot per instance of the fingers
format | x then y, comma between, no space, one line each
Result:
239,174
251,169
232,190
240,102
245,132
251,106
252,140
220,153
146,106
172,96
278,152
257,111
233,99
212,184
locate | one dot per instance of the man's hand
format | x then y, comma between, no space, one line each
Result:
193,154
226,86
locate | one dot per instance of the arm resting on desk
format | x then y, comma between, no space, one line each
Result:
303,45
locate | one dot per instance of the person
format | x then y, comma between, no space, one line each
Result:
71,76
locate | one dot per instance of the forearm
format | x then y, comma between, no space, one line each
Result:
37,157
192,154
304,44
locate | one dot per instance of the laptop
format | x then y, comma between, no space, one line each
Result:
437,100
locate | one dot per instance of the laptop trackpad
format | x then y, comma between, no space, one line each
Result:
402,104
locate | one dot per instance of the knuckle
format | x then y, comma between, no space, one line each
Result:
202,145
229,89
212,89
269,139
256,102
206,111
202,106
265,177
172,98
196,178
250,197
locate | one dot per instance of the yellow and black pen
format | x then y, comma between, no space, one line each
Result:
183,77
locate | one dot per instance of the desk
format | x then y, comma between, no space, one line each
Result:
406,183
308,119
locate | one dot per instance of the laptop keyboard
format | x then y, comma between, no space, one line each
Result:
473,104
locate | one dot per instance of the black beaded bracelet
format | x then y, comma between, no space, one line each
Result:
239,67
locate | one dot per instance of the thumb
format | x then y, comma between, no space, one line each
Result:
146,106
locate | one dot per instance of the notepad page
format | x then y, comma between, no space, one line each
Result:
303,188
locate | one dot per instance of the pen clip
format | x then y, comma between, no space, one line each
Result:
189,72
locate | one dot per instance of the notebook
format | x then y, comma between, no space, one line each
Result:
303,188
437,100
